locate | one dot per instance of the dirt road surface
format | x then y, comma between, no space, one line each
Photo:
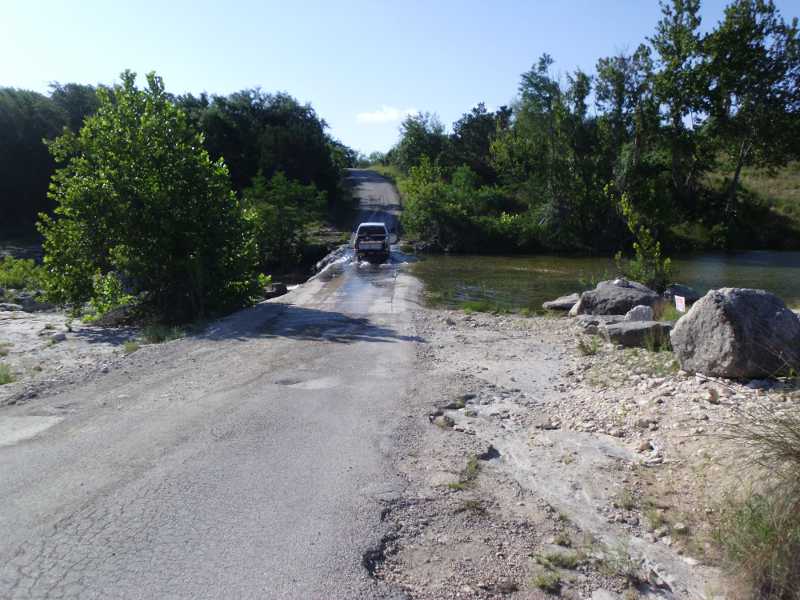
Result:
251,461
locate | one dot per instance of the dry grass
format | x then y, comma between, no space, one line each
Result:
759,529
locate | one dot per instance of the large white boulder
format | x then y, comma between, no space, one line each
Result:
738,333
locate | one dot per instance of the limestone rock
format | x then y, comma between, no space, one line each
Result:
615,297
639,313
562,303
637,333
738,333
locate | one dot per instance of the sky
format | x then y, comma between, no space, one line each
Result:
363,65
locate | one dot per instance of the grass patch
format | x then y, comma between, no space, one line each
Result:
157,334
627,500
562,539
666,311
6,374
4,348
657,342
655,518
482,306
547,581
589,346
468,475
618,563
560,560
130,346
391,172
759,530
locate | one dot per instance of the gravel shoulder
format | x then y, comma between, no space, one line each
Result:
541,469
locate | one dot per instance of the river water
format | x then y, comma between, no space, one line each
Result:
526,281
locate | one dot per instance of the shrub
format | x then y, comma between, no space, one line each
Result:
547,581
647,266
20,273
760,532
281,210
139,197
6,374
156,334
589,346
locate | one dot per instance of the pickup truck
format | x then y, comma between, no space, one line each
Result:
372,241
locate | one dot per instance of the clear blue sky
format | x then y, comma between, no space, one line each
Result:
361,64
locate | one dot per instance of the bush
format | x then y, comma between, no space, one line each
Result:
6,374
760,533
281,211
140,198
647,266
20,273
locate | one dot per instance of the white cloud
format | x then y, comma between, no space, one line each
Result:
386,114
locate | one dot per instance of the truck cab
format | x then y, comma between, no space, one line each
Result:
372,242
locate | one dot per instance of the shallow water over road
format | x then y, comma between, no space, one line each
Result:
527,281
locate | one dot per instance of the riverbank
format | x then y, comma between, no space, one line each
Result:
544,468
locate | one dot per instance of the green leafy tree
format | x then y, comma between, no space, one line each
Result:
420,135
679,88
754,68
282,210
26,118
140,199
472,137
648,266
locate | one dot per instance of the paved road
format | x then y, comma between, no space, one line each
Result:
252,461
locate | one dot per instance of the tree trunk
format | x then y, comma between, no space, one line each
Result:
730,203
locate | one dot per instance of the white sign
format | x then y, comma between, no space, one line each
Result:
680,303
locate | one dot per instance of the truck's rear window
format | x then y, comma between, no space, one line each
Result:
371,231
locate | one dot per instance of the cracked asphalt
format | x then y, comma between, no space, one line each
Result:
250,461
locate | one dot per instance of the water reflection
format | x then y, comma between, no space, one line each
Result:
527,281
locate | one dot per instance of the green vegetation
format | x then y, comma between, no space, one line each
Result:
130,346
282,210
157,334
589,346
666,311
6,374
547,581
563,539
560,560
468,475
681,128
4,346
174,204
20,274
759,529
171,228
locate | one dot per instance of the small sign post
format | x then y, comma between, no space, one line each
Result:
680,303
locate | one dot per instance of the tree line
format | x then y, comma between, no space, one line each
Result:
177,204
655,140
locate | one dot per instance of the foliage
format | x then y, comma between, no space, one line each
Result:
108,293
647,266
256,132
759,532
6,374
21,274
678,122
157,333
139,197
281,210
421,135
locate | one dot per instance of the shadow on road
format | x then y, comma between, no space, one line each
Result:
276,320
